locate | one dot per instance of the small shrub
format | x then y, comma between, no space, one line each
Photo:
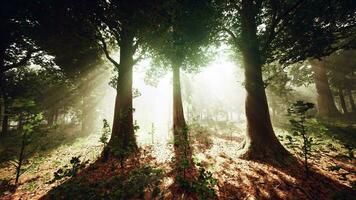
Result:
105,132
70,170
140,181
350,151
298,113
203,186
30,131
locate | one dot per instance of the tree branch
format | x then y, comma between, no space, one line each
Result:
275,21
106,52
269,79
232,35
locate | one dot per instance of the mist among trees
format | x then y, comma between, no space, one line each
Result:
177,99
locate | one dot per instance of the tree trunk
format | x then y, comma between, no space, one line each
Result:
342,101
325,101
261,142
180,131
123,135
20,158
5,120
49,117
20,124
351,99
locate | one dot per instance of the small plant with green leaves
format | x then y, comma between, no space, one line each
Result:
140,183
71,170
136,127
298,113
203,186
30,132
350,151
105,132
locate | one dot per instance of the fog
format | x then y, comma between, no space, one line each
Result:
214,93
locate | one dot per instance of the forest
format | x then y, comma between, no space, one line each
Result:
178,99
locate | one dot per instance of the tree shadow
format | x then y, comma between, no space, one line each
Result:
136,179
256,180
52,139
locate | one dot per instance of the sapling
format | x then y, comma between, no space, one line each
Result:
105,132
298,112
152,132
70,170
30,126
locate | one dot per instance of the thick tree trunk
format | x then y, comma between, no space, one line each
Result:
261,142
351,99
180,131
325,101
342,101
123,135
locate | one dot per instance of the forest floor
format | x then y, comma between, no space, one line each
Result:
332,174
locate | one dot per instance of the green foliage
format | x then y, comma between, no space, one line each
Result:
350,151
30,132
203,185
135,184
105,133
71,170
120,153
136,127
131,186
298,113
182,36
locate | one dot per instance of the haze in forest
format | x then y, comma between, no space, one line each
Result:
177,99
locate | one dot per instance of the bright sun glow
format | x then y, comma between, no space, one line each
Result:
214,93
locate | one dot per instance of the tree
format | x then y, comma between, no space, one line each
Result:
341,76
181,42
325,100
62,31
286,32
123,24
16,48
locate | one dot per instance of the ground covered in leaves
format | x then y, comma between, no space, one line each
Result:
151,173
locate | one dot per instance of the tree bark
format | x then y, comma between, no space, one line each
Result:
261,142
20,124
180,131
123,135
50,118
5,120
342,101
351,99
325,101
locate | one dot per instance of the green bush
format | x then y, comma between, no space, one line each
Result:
131,186
203,186
70,170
